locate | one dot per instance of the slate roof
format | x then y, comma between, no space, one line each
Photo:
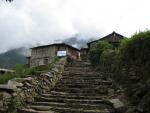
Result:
110,36
56,44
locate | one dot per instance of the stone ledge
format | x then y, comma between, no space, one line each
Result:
6,88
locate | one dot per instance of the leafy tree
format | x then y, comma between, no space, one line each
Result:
96,53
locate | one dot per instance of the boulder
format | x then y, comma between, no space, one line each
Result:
118,105
55,70
6,88
14,84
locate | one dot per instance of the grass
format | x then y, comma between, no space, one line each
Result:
22,71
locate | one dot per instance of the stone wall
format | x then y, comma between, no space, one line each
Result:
19,91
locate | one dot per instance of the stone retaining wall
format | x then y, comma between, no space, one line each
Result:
18,91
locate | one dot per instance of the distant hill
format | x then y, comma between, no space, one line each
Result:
12,57
77,42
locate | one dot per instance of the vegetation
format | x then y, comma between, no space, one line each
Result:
130,65
12,57
95,55
22,71
134,58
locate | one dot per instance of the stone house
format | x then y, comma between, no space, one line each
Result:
43,55
113,38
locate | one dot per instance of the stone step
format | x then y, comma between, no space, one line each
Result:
74,82
78,70
83,76
76,94
79,64
84,82
80,110
83,90
70,96
65,89
81,73
27,110
79,78
47,105
39,107
81,85
66,100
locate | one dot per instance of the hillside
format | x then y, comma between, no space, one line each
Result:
12,57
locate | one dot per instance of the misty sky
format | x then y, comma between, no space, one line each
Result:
31,22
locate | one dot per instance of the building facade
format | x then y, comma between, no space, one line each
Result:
43,55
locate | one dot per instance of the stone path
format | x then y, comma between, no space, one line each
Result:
81,90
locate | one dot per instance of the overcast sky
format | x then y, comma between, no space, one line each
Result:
28,22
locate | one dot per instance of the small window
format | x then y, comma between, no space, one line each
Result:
46,61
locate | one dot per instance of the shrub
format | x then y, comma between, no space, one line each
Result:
134,59
95,54
22,71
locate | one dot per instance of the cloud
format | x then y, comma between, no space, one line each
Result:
28,22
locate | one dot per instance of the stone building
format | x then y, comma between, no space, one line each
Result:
113,38
43,55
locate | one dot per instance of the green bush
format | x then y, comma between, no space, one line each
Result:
22,71
136,49
108,59
134,64
94,55
130,65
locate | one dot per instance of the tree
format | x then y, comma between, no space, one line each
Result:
95,54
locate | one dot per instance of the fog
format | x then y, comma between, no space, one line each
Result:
30,23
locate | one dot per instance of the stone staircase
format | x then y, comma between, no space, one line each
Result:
81,90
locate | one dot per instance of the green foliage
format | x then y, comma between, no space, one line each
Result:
22,71
108,60
136,49
95,54
133,68
130,64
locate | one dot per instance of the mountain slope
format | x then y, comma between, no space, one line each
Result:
12,57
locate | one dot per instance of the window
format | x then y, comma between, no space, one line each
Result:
45,61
